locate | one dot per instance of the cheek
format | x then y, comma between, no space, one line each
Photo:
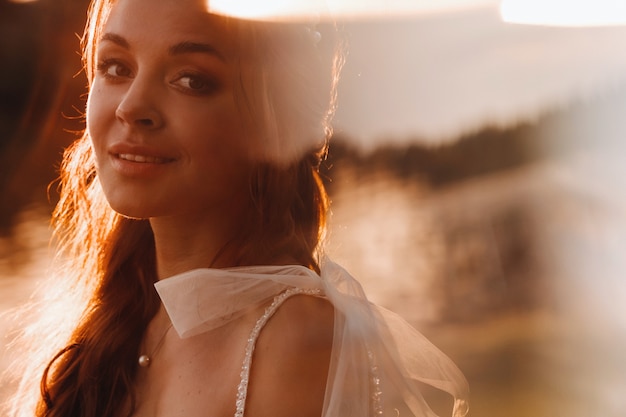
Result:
246,137
219,129
100,111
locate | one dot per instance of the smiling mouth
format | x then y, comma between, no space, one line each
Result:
143,159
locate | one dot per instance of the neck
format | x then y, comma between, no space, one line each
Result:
189,243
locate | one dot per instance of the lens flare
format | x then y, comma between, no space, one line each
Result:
575,13
306,9
254,9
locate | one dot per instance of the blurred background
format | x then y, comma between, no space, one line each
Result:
478,178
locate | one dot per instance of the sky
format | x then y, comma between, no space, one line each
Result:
434,75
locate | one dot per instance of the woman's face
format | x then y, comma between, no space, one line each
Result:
161,113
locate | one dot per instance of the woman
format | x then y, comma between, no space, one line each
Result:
198,164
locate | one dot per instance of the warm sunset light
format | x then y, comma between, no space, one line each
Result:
297,9
253,9
565,12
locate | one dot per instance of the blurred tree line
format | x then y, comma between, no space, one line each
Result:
484,152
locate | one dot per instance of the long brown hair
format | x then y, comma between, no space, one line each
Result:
112,258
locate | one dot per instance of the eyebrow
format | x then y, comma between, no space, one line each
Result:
194,48
116,39
180,48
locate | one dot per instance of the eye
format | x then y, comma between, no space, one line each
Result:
113,69
196,83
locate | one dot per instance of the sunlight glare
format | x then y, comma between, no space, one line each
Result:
254,9
573,13
299,9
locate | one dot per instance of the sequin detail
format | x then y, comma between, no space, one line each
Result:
242,389
376,399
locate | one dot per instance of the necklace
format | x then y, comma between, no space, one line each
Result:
145,360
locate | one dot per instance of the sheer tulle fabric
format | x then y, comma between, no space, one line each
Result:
378,360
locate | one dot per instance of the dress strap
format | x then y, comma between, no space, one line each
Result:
242,389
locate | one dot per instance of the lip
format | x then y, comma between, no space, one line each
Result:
139,153
138,160
142,159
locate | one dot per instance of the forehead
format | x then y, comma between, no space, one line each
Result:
169,20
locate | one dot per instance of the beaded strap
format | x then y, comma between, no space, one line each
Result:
376,392
242,389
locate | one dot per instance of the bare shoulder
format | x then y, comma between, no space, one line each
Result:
303,323
290,364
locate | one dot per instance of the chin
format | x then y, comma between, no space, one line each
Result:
134,213
132,217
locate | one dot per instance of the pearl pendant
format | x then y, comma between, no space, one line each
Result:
144,361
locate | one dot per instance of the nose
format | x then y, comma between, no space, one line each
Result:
139,106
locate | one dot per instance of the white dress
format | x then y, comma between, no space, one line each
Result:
377,362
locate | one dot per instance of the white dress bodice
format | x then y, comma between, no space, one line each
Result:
378,361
